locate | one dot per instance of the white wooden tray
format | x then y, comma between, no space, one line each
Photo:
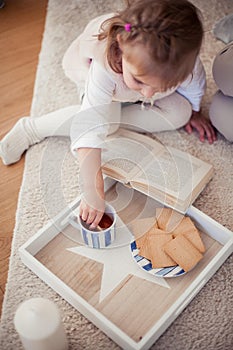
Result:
132,307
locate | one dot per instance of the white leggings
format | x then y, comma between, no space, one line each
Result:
169,113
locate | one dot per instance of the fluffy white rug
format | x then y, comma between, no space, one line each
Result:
207,322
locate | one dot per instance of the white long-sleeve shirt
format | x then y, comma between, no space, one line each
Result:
86,64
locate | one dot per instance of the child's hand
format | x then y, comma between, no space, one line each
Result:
203,127
92,204
92,208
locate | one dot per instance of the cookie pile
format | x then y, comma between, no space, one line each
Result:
172,239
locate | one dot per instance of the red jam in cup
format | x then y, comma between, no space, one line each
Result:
105,222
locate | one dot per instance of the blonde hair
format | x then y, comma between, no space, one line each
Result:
170,30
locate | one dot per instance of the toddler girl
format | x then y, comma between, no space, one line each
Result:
148,52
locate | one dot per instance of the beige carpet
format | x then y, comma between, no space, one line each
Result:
207,322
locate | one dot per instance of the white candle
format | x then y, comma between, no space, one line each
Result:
39,325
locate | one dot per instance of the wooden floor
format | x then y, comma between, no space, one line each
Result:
22,26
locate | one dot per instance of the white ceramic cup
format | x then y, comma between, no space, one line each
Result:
97,238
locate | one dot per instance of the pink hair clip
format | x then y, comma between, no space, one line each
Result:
128,27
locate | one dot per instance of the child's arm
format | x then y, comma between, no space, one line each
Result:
89,128
92,203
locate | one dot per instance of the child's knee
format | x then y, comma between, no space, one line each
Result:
221,115
176,109
181,114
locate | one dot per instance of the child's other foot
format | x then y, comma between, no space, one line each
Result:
18,140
